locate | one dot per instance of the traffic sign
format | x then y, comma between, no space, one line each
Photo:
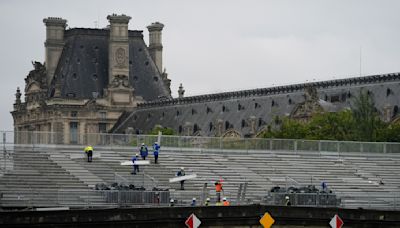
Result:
192,221
267,220
336,222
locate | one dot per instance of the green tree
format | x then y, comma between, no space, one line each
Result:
291,129
367,122
331,126
391,133
164,130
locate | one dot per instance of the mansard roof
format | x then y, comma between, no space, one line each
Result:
356,81
83,66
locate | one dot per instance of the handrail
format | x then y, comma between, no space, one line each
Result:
34,138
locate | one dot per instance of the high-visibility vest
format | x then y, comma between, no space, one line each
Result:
226,203
88,148
218,187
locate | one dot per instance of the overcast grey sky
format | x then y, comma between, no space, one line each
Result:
220,45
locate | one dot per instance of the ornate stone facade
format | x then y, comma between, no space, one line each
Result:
86,83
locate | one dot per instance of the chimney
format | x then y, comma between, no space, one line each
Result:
181,91
155,44
118,57
54,44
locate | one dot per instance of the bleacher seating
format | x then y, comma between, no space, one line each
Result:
45,176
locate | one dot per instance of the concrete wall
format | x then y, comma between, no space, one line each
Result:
234,216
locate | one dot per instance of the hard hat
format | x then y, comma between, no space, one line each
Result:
171,200
194,199
287,197
224,199
155,142
208,199
182,168
137,155
142,144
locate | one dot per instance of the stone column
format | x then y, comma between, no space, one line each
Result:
54,44
155,43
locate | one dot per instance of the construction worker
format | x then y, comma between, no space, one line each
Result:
156,150
171,202
287,201
225,202
89,153
207,202
144,151
218,189
135,167
180,173
193,204
324,186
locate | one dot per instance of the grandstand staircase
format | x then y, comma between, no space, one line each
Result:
37,181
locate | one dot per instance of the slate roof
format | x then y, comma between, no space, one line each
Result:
260,104
83,66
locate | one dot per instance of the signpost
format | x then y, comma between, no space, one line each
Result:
336,222
266,221
192,221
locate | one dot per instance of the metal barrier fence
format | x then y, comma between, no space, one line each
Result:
98,198
302,199
199,143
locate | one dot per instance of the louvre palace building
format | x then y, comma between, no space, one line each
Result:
110,80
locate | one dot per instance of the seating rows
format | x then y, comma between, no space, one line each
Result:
47,177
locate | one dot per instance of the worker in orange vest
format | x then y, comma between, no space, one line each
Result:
218,189
226,202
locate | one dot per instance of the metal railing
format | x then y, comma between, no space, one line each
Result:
33,138
109,198
302,199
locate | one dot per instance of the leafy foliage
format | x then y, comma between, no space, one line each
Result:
366,118
361,123
164,130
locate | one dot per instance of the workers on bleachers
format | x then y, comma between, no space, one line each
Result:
135,167
156,150
193,204
89,153
225,202
144,151
207,202
218,190
180,173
